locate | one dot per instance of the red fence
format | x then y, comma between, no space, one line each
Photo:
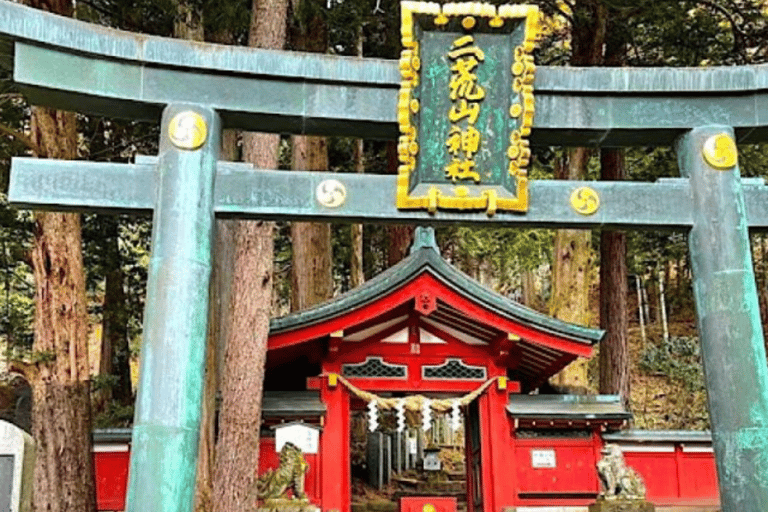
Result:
678,469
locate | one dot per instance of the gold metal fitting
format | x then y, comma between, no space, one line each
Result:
187,130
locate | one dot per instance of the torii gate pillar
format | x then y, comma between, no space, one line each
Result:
167,416
729,325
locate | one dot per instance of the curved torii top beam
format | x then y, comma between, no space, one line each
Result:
80,66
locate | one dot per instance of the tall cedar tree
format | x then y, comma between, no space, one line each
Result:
242,384
614,318
60,380
311,260
572,254
115,356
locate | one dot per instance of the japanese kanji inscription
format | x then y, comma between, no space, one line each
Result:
466,106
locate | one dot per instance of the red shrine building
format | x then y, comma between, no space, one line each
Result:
422,328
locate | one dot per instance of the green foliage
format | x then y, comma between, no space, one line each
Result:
679,360
43,356
103,381
114,415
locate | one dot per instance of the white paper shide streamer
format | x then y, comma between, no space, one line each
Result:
373,416
400,408
455,415
426,414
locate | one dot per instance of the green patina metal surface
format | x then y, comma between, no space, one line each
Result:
64,63
241,192
729,325
115,73
167,416
493,121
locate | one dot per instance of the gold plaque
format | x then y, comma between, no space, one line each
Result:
462,65
187,130
428,508
720,152
585,200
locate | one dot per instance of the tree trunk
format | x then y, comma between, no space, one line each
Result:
640,310
237,448
115,353
572,265
60,380
614,352
311,261
528,285
218,331
356,270
311,279
571,274
663,307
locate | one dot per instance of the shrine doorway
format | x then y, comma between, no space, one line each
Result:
400,459
473,455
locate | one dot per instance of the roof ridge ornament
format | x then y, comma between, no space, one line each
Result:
424,238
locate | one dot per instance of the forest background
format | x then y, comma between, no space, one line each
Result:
636,285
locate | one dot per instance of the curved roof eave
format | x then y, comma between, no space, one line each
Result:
427,259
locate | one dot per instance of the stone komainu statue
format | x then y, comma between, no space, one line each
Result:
290,474
619,481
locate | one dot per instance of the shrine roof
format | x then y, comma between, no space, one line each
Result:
659,436
569,407
460,309
287,404
425,257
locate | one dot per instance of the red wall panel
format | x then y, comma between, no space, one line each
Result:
427,504
659,471
574,471
111,469
698,476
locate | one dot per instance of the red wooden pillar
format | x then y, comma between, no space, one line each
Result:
499,475
334,446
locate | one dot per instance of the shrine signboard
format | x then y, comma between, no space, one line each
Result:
466,105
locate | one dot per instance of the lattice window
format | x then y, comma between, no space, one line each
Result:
375,367
454,369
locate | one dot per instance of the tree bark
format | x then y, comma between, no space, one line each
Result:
237,448
572,265
528,285
60,380
571,273
614,352
115,353
311,260
614,316
218,332
356,271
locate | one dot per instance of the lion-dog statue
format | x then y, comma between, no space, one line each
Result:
619,481
275,483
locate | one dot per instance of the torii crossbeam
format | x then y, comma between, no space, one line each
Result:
64,63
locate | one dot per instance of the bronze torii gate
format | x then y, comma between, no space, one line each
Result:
64,63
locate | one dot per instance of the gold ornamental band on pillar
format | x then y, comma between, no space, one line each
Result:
466,106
